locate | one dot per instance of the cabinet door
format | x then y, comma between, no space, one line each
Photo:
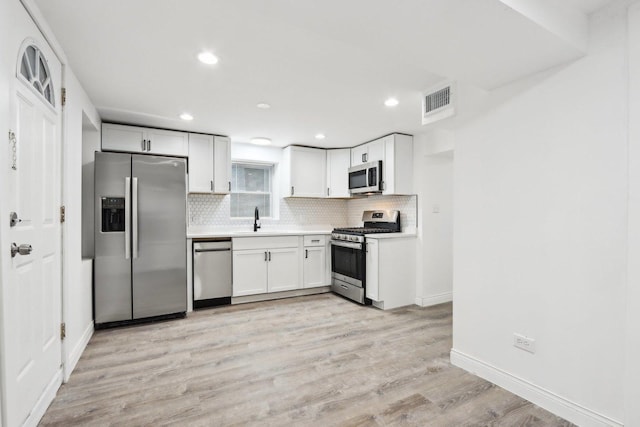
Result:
249,272
375,150
167,142
123,138
359,155
372,289
338,162
308,169
284,268
200,163
314,266
222,165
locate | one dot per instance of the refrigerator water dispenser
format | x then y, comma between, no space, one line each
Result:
113,215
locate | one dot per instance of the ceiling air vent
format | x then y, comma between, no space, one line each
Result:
438,103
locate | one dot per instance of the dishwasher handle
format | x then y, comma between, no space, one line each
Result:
213,250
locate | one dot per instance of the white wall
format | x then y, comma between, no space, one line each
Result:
540,189
632,374
77,286
433,181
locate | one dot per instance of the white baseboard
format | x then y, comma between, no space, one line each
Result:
74,356
44,401
546,399
434,299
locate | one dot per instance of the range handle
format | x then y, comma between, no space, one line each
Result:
346,244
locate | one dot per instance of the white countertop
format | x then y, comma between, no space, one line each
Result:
211,232
402,235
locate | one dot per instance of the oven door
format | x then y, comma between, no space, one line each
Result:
348,262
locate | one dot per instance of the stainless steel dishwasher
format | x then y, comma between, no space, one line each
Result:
211,273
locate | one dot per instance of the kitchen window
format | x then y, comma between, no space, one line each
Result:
251,186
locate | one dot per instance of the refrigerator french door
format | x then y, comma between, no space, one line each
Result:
140,239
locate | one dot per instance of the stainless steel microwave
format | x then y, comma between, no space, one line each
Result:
366,178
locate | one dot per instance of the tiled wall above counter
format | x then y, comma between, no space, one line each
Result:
214,210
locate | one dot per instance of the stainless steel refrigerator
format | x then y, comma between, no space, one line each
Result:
140,237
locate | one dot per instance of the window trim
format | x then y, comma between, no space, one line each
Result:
272,168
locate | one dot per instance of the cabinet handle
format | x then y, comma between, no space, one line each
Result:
144,145
148,145
306,253
265,256
292,190
229,186
363,159
383,185
269,255
327,191
212,186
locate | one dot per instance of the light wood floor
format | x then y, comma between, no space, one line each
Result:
318,360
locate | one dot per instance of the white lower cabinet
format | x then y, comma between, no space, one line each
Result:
371,262
390,271
314,261
249,272
265,264
283,268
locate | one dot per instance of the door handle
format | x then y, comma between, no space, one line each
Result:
127,217
23,249
134,214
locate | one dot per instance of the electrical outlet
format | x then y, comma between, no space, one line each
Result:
525,343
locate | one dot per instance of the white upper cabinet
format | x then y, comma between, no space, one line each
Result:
397,164
209,164
222,165
200,163
338,162
369,152
304,172
134,139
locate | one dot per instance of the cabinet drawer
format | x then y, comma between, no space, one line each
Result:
319,240
270,242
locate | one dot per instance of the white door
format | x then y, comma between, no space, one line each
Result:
314,266
200,163
32,290
222,165
249,272
284,269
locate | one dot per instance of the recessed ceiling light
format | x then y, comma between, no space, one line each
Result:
207,58
320,136
263,105
261,141
186,116
391,102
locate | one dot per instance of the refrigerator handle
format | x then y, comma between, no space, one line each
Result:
127,217
134,214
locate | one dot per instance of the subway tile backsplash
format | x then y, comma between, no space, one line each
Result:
214,211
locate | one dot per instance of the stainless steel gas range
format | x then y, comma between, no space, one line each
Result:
348,253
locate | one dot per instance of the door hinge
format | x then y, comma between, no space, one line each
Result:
63,96
62,214
63,330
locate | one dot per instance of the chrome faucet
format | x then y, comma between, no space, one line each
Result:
256,219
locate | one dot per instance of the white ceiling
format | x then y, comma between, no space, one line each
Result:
324,66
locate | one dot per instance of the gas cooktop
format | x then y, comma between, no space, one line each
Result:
362,230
